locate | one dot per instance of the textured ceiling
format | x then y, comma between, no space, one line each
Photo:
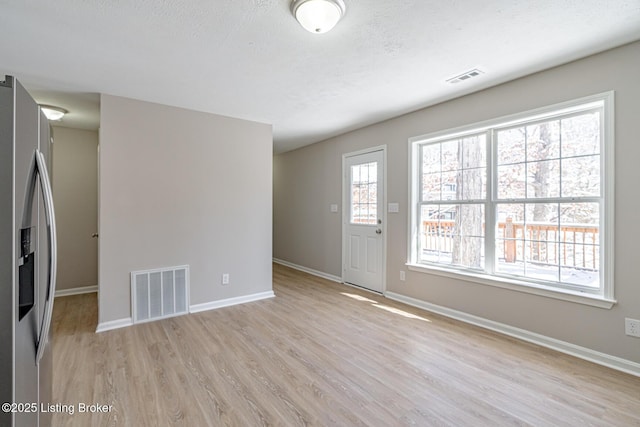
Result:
250,58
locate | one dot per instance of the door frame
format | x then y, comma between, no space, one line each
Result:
346,211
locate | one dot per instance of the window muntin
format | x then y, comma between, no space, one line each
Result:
545,200
364,193
455,169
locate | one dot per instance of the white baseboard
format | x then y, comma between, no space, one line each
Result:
123,323
308,270
196,308
76,291
604,359
114,324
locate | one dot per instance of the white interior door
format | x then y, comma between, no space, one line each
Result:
363,236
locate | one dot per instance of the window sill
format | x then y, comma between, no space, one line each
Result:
519,286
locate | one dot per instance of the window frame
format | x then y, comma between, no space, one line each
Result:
602,297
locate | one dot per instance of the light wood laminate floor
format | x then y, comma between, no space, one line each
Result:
323,354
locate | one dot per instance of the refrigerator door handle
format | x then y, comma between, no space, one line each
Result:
45,184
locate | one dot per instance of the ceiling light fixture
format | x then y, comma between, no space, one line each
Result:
53,113
318,16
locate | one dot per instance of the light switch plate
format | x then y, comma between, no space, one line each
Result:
334,208
393,208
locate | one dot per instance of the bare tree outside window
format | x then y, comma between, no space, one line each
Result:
468,238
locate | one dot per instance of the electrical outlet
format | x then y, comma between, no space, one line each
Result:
402,275
225,279
632,327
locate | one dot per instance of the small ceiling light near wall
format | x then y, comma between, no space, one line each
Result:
318,16
53,113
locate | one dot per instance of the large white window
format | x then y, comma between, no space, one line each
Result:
523,201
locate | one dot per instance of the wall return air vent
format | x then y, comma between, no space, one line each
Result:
465,76
161,293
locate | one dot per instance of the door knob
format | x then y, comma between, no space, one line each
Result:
378,231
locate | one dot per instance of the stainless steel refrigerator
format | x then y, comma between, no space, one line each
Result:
27,259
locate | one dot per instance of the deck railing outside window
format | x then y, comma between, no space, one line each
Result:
570,245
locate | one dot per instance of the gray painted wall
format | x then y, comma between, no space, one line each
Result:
307,181
75,192
182,187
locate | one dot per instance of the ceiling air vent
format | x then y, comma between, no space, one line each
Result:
465,76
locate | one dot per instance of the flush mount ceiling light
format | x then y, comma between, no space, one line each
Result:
318,16
53,113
